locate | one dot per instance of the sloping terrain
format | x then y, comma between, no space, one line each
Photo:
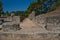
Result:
50,20
27,23
40,24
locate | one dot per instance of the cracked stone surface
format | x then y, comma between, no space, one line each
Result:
42,27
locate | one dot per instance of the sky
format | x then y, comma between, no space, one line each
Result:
15,5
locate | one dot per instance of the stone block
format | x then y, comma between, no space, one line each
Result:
11,28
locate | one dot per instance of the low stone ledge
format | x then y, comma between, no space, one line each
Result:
42,36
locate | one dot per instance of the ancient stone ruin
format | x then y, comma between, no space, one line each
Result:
46,27
10,23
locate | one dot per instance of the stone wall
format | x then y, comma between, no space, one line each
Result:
46,31
11,28
53,23
10,23
50,23
40,36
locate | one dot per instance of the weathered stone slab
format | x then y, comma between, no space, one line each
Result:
53,23
40,36
32,15
50,23
10,23
11,28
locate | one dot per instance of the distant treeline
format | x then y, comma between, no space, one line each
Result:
43,6
39,6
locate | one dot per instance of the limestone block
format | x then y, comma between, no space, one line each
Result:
40,21
16,19
8,18
53,23
1,22
50,23
40,36
32,15
10,27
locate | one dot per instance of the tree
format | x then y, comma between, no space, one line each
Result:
7,13
33,6
42,6
58,2
1,8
